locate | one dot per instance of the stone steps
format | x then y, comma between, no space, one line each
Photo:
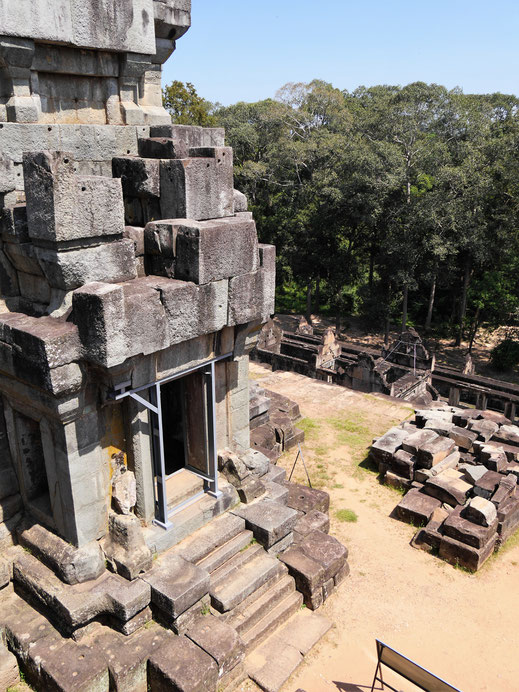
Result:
232,586
253,609
273,618
226,551
275,659
234,563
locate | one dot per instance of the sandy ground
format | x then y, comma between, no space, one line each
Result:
462,627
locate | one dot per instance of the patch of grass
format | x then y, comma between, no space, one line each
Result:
309,426
322,450
337,486
346,515
205,610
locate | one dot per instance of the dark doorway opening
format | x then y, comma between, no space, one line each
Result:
173,416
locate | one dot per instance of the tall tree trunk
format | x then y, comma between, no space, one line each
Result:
386,332
318,294
309,301
474,330
463,305
428,320
371,267
338,324
404,307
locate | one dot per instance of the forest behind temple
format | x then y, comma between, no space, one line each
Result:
394,204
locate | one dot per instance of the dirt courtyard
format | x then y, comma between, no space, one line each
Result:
462,627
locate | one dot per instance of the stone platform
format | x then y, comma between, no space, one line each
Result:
222,604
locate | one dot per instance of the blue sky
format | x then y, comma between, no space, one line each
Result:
244,50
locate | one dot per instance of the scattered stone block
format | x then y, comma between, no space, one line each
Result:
487,484
450,462
462,417
403,464
181,665
472,474
505,489
463,438
440,426
434,451
396,481
312,521
140,177
508,434
448,487
480,511
385,447
416,507
457,553
485,429
508,518
466,531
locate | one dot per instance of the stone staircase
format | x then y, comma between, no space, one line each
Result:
229,594
251,591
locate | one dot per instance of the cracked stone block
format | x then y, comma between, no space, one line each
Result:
183,666
251,297
9,673
485,429
176,585
508,517
125,547
403,463
62,206
67,270
219,640
418,439
268,520
507,486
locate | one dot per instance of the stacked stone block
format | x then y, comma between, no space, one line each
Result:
459,468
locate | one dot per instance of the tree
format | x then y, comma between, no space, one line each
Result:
186,107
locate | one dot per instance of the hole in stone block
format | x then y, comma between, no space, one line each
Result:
49,129
83,189
65,160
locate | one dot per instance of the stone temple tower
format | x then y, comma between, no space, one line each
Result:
132,288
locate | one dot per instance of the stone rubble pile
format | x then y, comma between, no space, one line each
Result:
459,468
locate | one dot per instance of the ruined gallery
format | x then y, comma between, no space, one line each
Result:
144,543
